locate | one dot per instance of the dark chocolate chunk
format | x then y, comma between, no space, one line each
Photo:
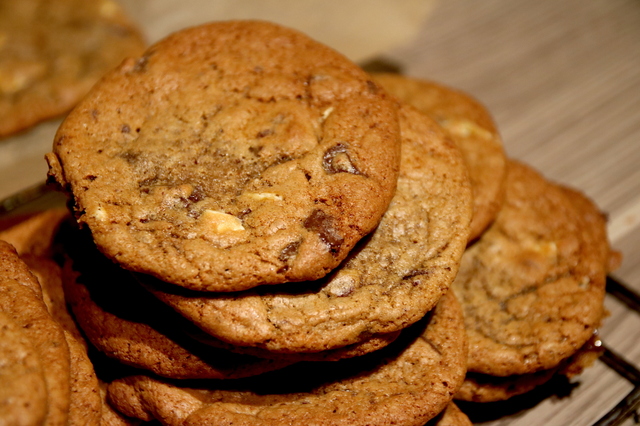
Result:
323,224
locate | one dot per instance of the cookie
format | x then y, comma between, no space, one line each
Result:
111,417
23,396
85,407
406,383
390,280
533,285
23,305
52,52
49,275
471,126
85,404
484,388
105,301
451,416
369,344
231,155
34,235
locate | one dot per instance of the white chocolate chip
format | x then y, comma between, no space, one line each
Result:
585,283
99,214
264,196
327,112
220,222
343,284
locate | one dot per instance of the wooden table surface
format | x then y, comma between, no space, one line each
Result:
562,79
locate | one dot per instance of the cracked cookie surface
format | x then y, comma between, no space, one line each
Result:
231,155
474,131
533,285
53,51
407,383
390,280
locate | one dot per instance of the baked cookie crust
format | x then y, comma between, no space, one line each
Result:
231,155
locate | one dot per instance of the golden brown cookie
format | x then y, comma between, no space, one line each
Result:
23,394
451,416
407,383
485,388
49,275
478,387
111,417
85,404
23,305
107,302
472,128
34,235
390,280
533,285
231,155
53,51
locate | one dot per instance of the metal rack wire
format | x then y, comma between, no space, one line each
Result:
630,405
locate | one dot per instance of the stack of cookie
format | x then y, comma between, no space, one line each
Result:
259,215
268,236
532,283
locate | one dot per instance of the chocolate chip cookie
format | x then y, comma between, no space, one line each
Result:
407,383
53,51
23,304
471,126
85,404
390,280
23,396
533,285
231,155
106,301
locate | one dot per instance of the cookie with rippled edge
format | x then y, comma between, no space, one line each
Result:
533,285
85,405
231,155
23,396
111,417
21,300
52,52
106,301
390,280
483,388
451,416
473,129
406,383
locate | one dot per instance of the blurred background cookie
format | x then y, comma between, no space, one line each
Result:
53,51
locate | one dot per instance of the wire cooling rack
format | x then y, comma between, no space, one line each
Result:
628,407
40,197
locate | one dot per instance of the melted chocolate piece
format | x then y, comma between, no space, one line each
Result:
323,224
337,160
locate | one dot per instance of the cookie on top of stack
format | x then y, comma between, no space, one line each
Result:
268,204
